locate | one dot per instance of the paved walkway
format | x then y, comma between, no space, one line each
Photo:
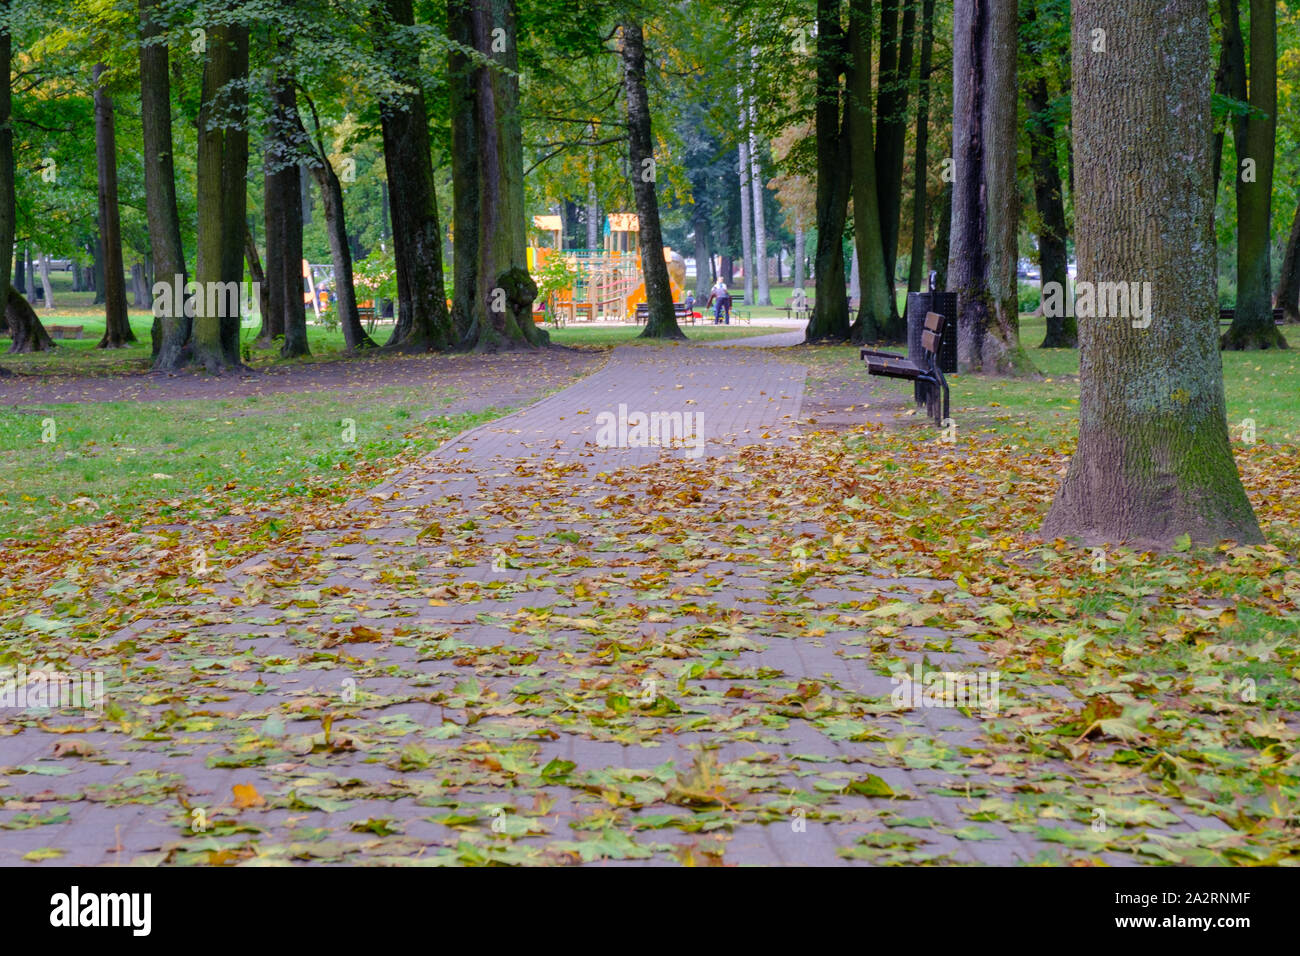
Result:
532,648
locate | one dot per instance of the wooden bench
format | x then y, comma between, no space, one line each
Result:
366,315
1227,315
65,331
893,365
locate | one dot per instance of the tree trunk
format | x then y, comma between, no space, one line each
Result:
873,286
746,214
331,191
46,288
800,252
423,319
1252,325
1062,329
222,164
500,300
160,191
985,197
139,294
272,290
466,200
830,318
891,112
920,214
259,277
703,247
117,324
1288,288
762,290
662,320
285,148
25,329
942,239
1229,81
20,273
1153,460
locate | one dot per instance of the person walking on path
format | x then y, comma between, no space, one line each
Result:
720,299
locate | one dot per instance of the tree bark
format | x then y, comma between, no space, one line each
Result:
662,320
830,317
1229,81
703,246
117,324
762,289
423,319
25,329
1288,288
1153,460
1053,265
160,206
985,198
222,164
920,215
874,288
259,276
46,289
800,252
891,112
1252,325
466,199
746,214
285,149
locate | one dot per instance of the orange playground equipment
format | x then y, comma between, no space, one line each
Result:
608,284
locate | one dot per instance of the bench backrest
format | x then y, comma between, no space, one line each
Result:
932,335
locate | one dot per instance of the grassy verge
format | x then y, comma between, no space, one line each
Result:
120,458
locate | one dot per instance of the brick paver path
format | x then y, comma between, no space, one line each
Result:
529,649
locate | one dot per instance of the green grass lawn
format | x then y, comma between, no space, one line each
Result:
118,457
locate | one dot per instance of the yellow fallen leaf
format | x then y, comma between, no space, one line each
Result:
246,795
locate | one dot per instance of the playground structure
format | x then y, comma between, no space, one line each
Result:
608,283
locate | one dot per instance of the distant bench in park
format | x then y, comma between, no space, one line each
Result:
679,310
65,331
1226,316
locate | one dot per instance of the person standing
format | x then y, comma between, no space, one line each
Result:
720,298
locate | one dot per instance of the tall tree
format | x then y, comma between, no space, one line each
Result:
27,334
285,150
423,319
662,320
222,199
985,205
874,287
1252,325
1288,286
1153,460
1053,265
117,325
745,170
489,186
830,316
762,290
920,212
173,327
896,43
331,191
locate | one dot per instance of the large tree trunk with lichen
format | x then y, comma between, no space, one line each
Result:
830,317
222,165
662,320
423,319
985,205
497,307
1252,324
874,286
1153,460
